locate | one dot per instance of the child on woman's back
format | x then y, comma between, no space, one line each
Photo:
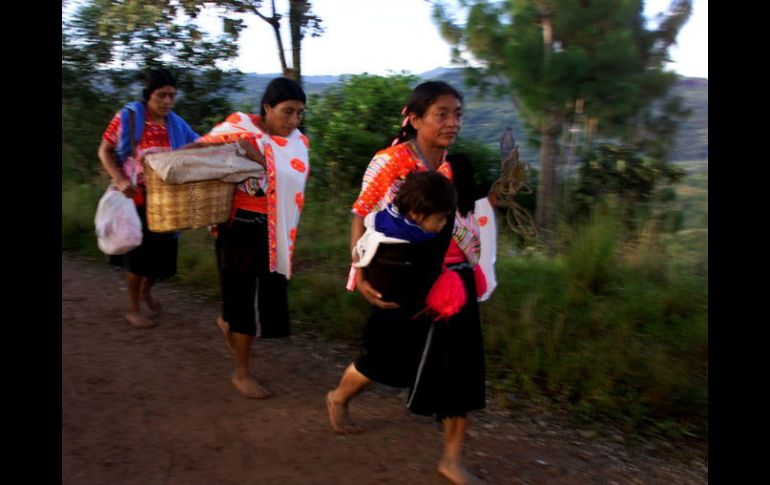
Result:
389,249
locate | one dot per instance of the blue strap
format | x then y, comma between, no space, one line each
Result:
179,132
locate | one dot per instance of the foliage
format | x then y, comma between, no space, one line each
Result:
550,55
350,122
614,328
642,185
653,130
133,19
102,33
204,96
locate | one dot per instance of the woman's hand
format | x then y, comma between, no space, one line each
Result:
492,197
372,296
252,153
124,185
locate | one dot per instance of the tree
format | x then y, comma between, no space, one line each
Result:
105,36
553,54
640,185
349,122
106,46
142,13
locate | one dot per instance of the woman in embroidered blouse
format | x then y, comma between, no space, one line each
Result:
156,129
396,343
254,248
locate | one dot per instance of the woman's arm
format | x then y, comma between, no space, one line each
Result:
252,153
197,144
372,296
109,161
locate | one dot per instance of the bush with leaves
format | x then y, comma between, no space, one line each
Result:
350,122
642,185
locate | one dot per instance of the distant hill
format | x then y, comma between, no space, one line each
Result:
255,84
486,117
692,141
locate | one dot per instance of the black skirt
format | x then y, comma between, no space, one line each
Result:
393,339
156,257
392,347
450,378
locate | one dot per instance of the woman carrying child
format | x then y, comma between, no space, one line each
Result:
407,338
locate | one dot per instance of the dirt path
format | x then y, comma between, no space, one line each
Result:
156,407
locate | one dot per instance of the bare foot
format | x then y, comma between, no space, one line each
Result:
249,387
339,417
455,472
153,304
137,320
225,328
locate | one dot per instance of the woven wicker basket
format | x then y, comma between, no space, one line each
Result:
176,207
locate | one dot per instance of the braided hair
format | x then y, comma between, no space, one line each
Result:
464,179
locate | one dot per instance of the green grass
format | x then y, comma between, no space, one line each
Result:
612,328
79,203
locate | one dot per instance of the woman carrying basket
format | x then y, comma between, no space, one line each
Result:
154,128
254,249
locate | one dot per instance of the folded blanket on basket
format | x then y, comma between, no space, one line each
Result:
224,162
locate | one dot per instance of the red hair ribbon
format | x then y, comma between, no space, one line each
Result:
403,124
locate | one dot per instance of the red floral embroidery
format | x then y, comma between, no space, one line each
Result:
223,138
483,221
281,141
293,234
271,202
299,200
383,183
298,165
305,140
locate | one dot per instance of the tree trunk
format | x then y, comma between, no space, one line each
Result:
297,11
275,23
546,187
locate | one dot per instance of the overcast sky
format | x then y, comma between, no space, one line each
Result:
381,36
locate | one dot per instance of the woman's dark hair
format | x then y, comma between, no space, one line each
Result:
464,179
425,193
422,97
156,79
279,90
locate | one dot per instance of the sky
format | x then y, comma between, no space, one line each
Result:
389,36
385,36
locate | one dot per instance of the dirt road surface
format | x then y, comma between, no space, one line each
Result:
155,406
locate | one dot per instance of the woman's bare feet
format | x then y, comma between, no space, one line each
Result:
153,304
249,387
339,417
137,320
455,472
225,328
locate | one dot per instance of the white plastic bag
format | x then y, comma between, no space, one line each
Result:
118,227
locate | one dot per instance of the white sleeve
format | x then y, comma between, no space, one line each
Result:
485,217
